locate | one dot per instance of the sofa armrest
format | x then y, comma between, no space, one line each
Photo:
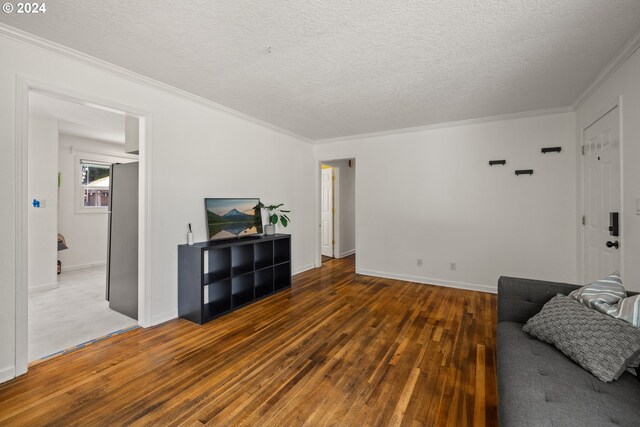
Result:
520,299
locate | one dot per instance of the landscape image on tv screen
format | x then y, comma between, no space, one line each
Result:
230,218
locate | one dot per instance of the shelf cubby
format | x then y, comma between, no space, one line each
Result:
242,290
264,281
282,276
218,265
241,259
281,251
263,254
215,278
217,299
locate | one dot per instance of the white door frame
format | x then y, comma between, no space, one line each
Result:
23,87
336,211
581,274
335,215
317,237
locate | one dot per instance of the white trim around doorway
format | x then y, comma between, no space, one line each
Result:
582,127
317,237
24,85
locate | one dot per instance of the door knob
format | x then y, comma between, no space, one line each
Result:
613,244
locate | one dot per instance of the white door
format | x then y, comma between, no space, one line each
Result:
601,184
327,212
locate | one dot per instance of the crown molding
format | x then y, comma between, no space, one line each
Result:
628,49
623,54
83,58
510,116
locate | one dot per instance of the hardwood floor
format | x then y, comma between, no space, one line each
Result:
337,349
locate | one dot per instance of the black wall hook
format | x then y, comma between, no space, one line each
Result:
551,150
497,162
524,172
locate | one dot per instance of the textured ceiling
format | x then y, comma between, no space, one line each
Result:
79,120
330,68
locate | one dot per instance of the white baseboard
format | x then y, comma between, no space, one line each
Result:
40,288
346,253
83,266
428,281
303,269
165,317
7,373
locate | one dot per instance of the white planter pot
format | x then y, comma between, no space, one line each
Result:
269,229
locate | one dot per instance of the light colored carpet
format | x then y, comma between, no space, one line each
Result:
74,313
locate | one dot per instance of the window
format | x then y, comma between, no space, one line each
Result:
94,181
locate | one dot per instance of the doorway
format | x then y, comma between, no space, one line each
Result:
602,218
40,202
327,212
337,209
72,148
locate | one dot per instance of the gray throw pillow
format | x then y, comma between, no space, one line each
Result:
599,343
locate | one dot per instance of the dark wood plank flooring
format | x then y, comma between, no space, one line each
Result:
337,349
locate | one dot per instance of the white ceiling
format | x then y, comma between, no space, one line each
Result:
79,120
330,68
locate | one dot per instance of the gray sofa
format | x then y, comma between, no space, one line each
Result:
540,386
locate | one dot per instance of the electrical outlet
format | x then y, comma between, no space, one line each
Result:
452,266
419,262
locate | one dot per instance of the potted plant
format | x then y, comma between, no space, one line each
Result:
276,214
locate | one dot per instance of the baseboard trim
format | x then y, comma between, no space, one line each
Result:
428,281
7,373
303,269
161,318
84,266
347,253
41,288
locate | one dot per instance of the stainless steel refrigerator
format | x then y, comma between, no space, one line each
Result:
122,242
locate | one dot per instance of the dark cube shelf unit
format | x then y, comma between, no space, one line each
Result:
215,278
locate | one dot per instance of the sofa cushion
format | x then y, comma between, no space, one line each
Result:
520,299
539,386
599,343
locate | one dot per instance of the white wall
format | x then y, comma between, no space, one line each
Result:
85,232
197,151
43,173
624,82
432,195
346,207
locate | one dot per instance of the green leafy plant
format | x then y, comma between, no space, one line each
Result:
276,213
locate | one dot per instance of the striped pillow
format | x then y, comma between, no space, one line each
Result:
603,295
628,309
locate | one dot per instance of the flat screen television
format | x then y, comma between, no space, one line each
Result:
232,218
